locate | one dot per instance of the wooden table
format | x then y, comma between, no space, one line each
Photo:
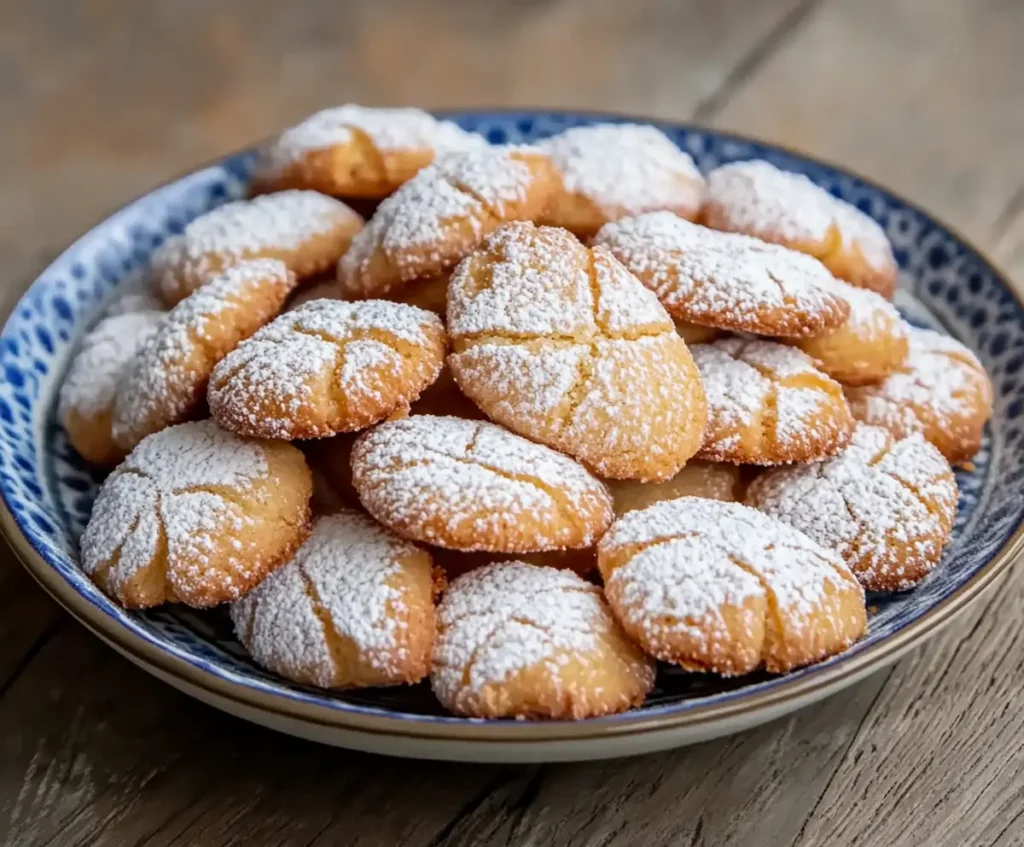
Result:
100,100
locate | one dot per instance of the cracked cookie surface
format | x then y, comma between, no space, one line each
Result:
168,379
562,344
768,404
357,151
196,515
518,640
353,607
722,588
472,485
726,280
327,367
885,504
940,390
305,230
442,214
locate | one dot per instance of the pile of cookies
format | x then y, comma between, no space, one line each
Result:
551,414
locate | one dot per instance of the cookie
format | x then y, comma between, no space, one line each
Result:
443,214
697,334
758,199
324,290
357,151
196,515
167,381
471,485
610,171
886,505
562,344
725,589
726,280
134,301
517,640
305,230
941,391
86,403
869,346
354,607
712,480
768,404
327,367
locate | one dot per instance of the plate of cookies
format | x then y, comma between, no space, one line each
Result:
514,436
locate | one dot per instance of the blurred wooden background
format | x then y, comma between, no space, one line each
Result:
101,99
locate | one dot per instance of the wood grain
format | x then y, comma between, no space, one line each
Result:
110,97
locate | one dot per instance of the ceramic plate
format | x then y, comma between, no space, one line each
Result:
48,492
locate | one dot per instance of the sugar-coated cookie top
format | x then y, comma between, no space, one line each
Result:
740,375
347,576
106,350
169,490
939,374
760,198
623,167
676,537
425,469
283,220
505,618
869,497
542,282
718,275
390,130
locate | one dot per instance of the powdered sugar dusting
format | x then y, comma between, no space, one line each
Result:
785,563
106,351
885,507
758,198
282,221
940,378
439,215
390,130
346,577
452,478
724,279
175,361
500,620
163,488
134,301
292,362
625,168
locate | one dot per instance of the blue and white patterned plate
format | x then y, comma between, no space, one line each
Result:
48,492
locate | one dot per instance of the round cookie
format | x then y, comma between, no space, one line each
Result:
941,391
768,404
354,607
443,214
471,485
167,381
327,367
86,404
357,151
726,280
305,230
758,199
886,505
722,588
562,344
869,346
517,640
196,515
712,480
613,170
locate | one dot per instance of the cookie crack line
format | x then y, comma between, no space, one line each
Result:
104,568
365,145
332,638
564,504
575,396
773,602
